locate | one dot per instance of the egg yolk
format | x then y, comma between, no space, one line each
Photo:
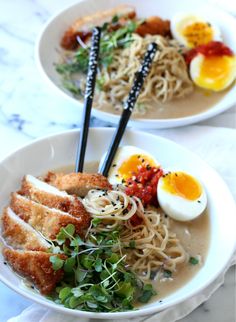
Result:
215,72
198,33
132,164
182,185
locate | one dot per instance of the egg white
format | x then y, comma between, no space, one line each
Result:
178,207
182,20
209,83
123,154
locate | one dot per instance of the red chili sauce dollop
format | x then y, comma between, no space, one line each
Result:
143,185
213,48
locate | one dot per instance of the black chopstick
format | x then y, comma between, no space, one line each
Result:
88,98
128,107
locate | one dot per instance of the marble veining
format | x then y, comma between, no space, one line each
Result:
26,103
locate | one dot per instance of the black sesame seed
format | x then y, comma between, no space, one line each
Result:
5,263
103,210
199,201
32,286
114,165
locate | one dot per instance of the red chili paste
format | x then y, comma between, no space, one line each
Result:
213,48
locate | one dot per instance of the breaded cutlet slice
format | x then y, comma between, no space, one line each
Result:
35,266
78,183
99,18
21,235
41,192
46,220
85,24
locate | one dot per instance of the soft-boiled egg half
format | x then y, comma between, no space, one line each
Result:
181,196
127,161
192,30
213,72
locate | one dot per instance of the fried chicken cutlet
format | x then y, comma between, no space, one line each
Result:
44,219
82,27
78,183
47,195
36,266
21,235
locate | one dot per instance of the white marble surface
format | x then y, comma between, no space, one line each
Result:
28,109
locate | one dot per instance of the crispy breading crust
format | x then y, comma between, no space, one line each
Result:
68,204
20,235
36,266
154,26
86,23
78,183
46,220
97,18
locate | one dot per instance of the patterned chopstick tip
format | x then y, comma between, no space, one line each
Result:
93,62
148,58
140,76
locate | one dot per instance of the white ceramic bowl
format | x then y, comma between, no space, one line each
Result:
59,150
48,50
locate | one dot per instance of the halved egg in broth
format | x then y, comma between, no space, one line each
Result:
192,30
213,72
181,195
127,161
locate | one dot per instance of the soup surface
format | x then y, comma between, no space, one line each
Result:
197,102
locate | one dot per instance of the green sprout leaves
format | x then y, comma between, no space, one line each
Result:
148,292
193,261
57,262
110,41
95,276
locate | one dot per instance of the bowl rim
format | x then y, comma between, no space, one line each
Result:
142,311
106,116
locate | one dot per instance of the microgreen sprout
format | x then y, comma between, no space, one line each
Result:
193,260
95,275
110,41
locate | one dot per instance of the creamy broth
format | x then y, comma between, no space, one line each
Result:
193,235
197,102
